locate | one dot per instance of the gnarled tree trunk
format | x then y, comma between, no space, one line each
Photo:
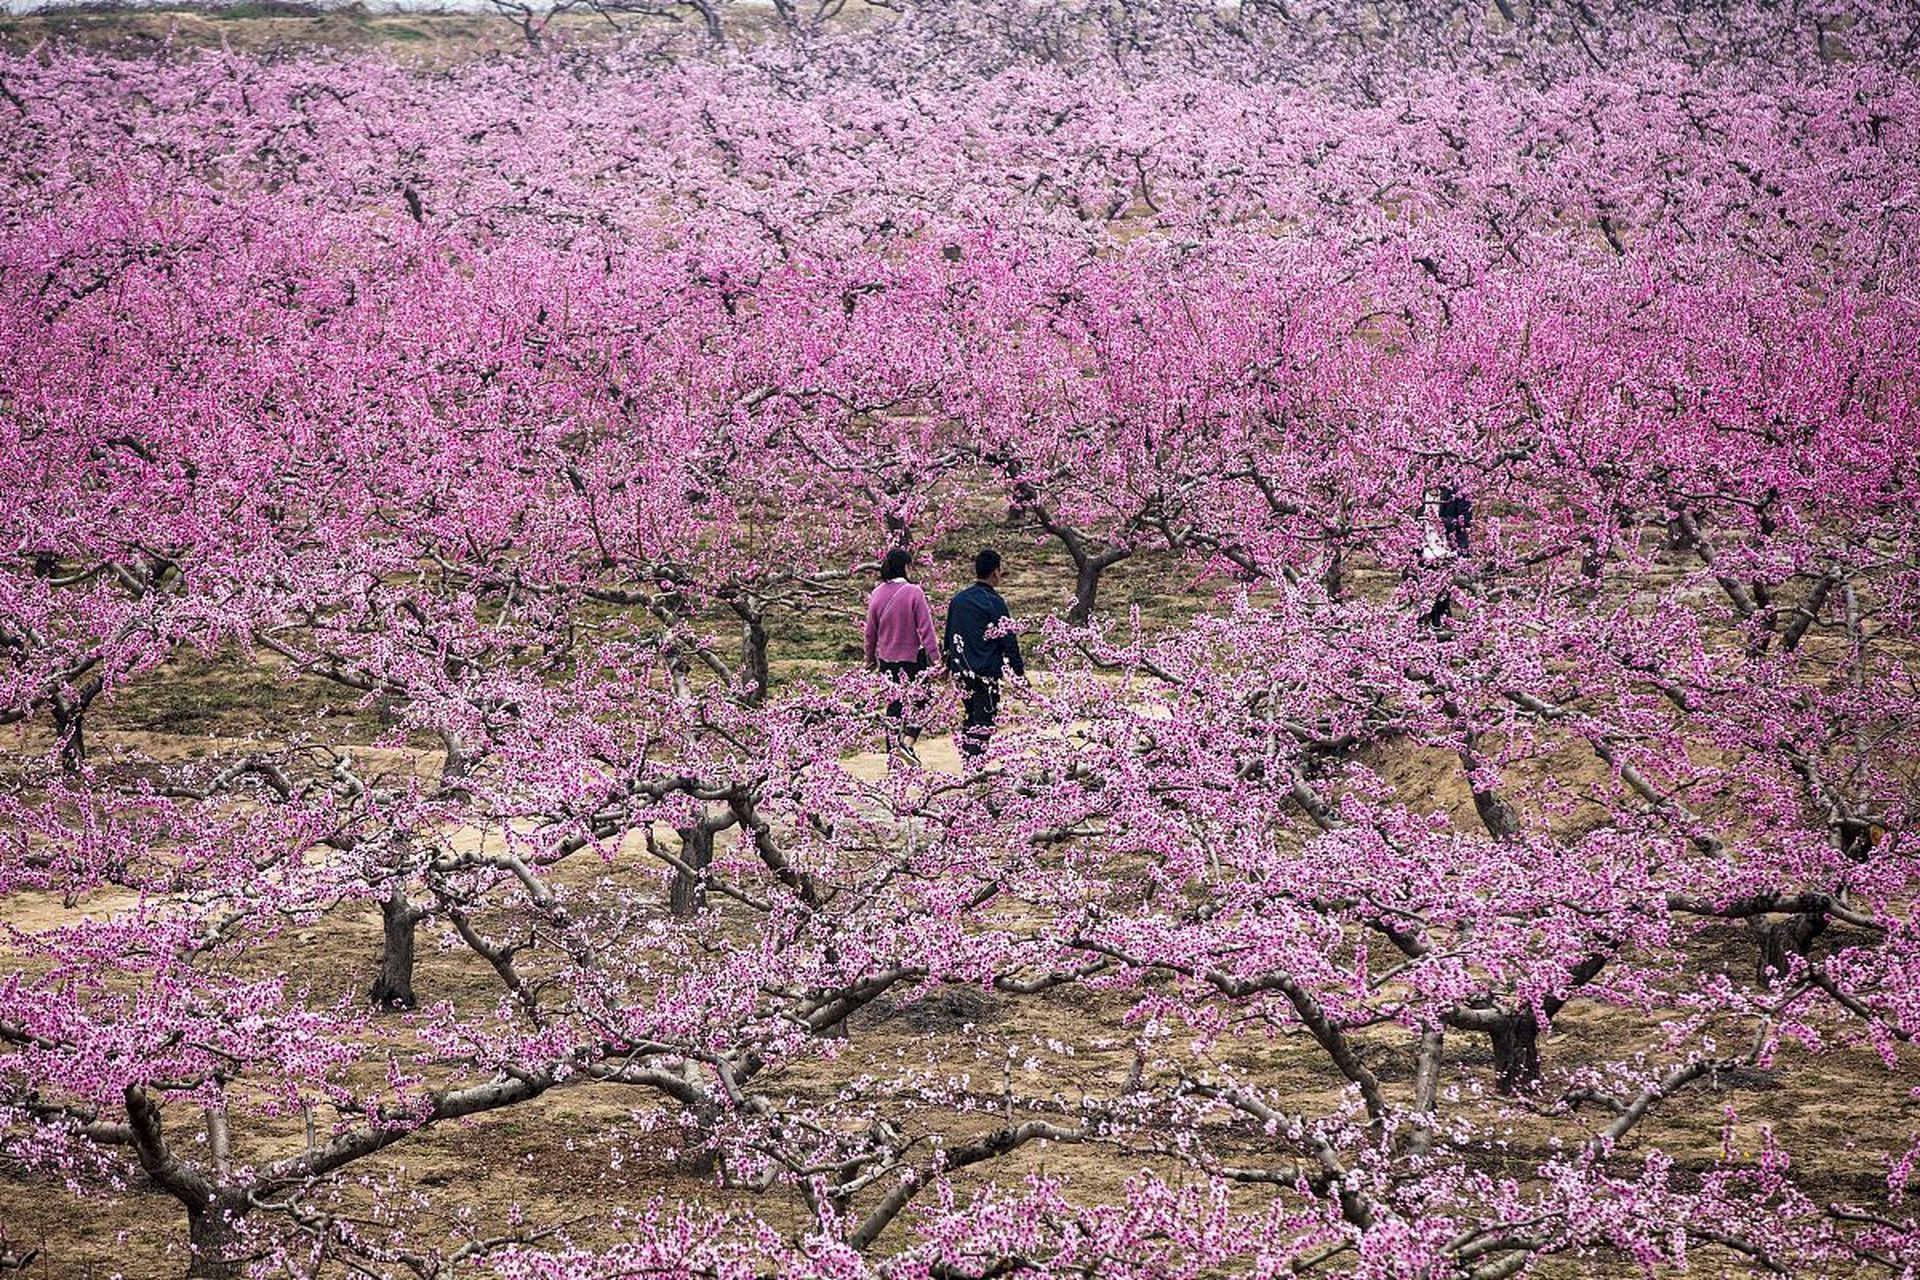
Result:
399,921
213,1229
69,722
214,1211
688,896
1516,1052
1781,943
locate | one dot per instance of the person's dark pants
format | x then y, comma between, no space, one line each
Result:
981,698
904,712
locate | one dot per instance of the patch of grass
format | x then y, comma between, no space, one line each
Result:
264,9
231,695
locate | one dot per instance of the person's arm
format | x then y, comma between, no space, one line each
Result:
872,636
1010,643
923,618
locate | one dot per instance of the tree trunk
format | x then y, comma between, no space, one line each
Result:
1516,1053
1592,565
1086,586
67,727
219,1141
1781,943
709,18
1418,1137
399,919
699,1159
213,1229
688,895
1334,579
1086,583
1496,815
753,654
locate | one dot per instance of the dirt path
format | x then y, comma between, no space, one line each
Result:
936,751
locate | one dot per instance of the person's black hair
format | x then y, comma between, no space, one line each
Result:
895,565
985,563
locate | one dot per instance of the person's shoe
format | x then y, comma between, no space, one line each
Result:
908,754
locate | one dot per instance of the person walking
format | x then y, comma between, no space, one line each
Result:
901,644
1446,525
978,647
1456,517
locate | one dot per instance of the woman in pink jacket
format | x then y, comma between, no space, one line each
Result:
901,642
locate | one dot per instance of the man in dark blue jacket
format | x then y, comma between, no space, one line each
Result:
1456,517
979,661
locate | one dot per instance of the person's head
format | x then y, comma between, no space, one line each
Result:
986,566
895,565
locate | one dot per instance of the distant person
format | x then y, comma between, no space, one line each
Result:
1456,517
978,660
900,644
1446,524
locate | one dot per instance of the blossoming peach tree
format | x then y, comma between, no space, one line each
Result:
1503,854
